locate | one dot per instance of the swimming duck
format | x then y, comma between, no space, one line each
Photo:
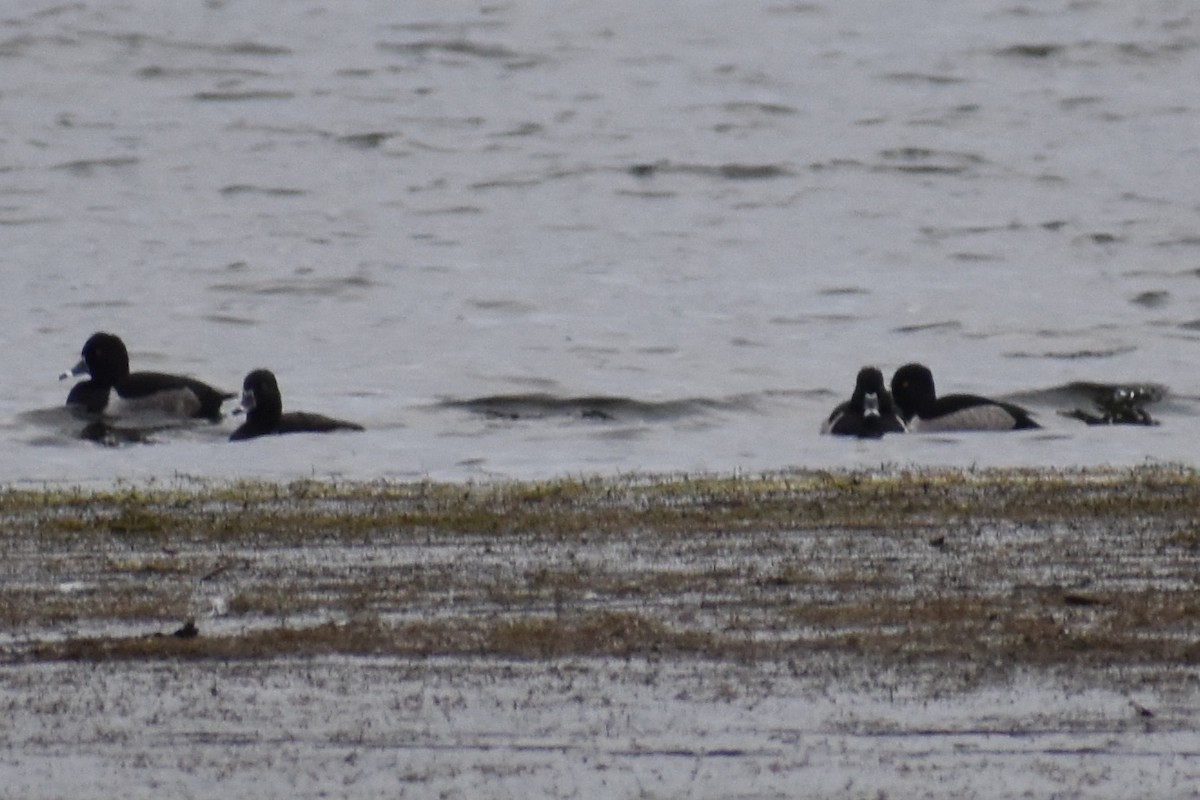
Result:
923,410
106,361
264,412
869,413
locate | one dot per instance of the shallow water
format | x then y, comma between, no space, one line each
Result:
449,728
461,225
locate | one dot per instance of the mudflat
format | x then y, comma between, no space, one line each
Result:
812,633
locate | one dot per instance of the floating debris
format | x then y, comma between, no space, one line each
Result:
1117,404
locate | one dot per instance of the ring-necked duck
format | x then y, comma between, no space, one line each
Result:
106,360
923,410
869,413
264,412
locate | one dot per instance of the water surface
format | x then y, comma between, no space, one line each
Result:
523,240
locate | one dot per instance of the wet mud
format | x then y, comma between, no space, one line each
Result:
933,632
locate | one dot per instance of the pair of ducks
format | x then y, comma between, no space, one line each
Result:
913,405
106,362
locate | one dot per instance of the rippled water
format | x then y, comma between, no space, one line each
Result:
547,238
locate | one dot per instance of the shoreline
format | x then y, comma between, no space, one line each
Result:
990,567
912,633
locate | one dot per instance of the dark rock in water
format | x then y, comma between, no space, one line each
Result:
1117,404
188,631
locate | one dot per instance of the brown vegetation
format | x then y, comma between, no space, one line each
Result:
988,569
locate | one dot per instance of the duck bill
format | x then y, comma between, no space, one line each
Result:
247,402
79,369
871,405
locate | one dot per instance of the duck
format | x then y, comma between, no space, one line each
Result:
870,411
923,410
264,412
106,361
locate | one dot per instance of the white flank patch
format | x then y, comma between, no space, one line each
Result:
978,418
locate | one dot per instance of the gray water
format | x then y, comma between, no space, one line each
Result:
535,239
